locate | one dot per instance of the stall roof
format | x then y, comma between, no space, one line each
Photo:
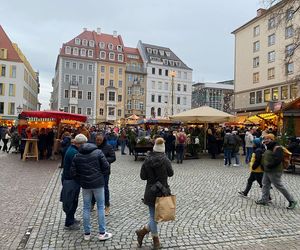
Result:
55,115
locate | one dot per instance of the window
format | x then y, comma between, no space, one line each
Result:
101,96
267,96
120,84
159,112
68,50
11,108
66,109
13,71
153,71
289,32
120,58
90,80
289,14
256,31
77,41
178,100
11,90
119,48
256,46
73,94
74,65
90,67
129,90
293,91
88,111
184,88
275,94
89,95
74,79
81,66
80,79
102,81
141,106
166,86
271,56
75,51
255,62
111,70
111,83
129,77
91,43
129,104
119,98
159,99
111,96
102,54
79,111
289,68
271,73
153,84
102,69
102,45
1,107
90,53
111,111
73,109
256,77
160,72
119,112
142,91
178,87
83,52
111,56
67,78
110,46
166,72
84,42
3,70
159,85
289,50
259,96
79,94
67,64
284,92
271,40
184,100
152,98
66,93
271,23
2,90
252,97
101,111
166,99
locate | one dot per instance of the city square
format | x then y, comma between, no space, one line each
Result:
210,213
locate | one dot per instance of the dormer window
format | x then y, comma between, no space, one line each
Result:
161,52
75,51
68,50
102,54
155,51
119,48
111,56
110,46
178,63
77,41
83,52
102,45
165,61
171,62
90,53
168,53
149,50
84,42
91,43
120,58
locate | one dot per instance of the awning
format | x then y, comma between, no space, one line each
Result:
59,115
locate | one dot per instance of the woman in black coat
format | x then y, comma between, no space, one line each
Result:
156,167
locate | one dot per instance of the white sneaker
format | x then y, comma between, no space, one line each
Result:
105,236
87,237
236,165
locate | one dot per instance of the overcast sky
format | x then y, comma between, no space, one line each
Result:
198,31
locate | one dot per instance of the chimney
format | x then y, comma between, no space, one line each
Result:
260,12
84,29
115,33
98,31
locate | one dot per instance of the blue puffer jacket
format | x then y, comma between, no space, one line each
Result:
70,154
89,166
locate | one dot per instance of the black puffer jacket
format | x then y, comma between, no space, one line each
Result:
89,166
156,167
108,151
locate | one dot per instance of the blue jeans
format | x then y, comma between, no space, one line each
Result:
227,156
179,152
236,155
123,144
152,225
87,198
249,151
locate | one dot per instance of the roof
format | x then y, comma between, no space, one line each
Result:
134,52
6,43
54,114
163,57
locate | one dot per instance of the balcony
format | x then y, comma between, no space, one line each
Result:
130,69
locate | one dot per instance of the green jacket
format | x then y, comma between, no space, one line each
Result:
272,161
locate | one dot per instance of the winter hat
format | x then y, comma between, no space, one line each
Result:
159,145
80,138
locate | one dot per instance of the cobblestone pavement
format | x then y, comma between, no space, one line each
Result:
210,214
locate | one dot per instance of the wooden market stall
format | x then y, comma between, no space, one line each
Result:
291,117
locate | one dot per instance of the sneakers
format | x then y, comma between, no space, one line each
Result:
107,211
261,202
236,165
292,205
72,227
87,237
105,236
242,193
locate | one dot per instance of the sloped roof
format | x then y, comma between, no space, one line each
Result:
132,51
6,43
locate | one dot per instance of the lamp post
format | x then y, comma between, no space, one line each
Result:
173,74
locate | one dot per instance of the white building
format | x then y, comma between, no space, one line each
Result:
19,84
161,86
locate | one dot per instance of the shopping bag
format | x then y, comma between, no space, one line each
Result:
165,208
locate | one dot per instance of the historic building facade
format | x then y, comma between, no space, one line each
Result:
266,69
19,83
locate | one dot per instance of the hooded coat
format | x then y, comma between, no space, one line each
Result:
89,166
156,167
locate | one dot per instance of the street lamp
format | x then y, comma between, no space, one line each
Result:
19,109
173,74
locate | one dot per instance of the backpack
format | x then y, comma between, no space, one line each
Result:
230,140
181,138
287,156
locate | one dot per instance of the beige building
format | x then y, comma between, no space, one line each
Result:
264,70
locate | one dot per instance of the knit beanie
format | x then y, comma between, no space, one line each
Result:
159,145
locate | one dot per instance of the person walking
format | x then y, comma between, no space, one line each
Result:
89,168
70,188
170,144
248,145
236,148
156,167
180,145
273,167
110,156
212,145
228,146
123,140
